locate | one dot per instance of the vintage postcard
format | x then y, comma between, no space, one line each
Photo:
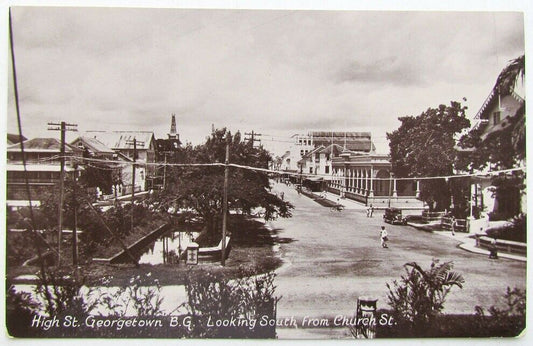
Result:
283,173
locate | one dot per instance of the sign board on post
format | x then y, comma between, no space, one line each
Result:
366,311
192,253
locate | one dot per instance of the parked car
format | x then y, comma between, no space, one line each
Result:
394,216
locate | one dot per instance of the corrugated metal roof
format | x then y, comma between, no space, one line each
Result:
94,144
122,139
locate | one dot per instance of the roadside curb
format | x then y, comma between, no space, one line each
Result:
467,243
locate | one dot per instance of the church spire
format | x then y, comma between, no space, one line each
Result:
173,133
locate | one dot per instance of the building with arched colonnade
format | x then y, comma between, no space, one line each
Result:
367,178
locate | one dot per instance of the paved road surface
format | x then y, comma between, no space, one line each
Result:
331,258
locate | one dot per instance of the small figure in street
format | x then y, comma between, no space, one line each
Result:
371,210
493,249
282,195
368,212
454,222
384,237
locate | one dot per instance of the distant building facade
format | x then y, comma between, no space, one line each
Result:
123,142
42,169
367,178
303,144
112,173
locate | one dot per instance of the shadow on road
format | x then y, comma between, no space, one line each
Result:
253,233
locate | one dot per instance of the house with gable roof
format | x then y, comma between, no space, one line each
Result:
122,142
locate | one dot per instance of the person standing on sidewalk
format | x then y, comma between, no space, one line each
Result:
454,222
384,237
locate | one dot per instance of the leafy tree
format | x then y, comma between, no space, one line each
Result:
425,146
200,188
420,295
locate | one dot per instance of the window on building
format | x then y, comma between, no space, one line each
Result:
311,170
327,169
301,153
496,117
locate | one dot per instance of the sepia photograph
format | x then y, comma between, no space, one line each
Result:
266,173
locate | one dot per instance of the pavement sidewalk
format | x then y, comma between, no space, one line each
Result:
468,243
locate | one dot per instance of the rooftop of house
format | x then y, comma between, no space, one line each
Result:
93,144
41,145
122,139
516,91
14,138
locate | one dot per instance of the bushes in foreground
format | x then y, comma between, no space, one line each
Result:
417,300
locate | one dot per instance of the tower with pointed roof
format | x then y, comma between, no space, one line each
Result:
173,133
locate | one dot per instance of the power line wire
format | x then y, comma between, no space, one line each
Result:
266,170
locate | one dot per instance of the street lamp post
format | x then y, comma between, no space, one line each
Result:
391,176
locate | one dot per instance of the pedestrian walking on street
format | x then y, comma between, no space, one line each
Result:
384,237
282,195
371,210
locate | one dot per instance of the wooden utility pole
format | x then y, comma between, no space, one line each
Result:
74,229
225,206
63,128
165,171
134,142
253,136
133,182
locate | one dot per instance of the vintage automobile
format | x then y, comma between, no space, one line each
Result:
394,216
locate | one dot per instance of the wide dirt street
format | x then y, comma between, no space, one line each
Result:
331,258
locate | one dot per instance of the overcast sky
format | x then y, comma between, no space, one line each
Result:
275,72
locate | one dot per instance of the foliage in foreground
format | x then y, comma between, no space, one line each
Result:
418,298
508,321
210,298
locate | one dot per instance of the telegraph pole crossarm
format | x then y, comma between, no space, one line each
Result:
252,139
